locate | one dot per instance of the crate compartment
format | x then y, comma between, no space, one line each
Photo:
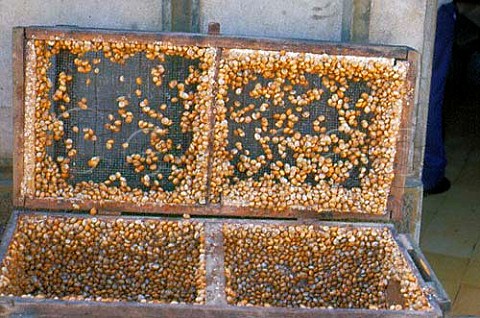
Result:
103,259
318,266
111,266
308,131
116,121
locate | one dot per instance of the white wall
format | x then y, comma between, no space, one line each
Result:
305,19
130,14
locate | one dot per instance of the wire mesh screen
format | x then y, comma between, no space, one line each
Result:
158,123
306,131
122,122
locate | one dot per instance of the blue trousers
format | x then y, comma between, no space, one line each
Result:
435,160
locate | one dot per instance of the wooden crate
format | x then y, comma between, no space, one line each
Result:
203,175
216,284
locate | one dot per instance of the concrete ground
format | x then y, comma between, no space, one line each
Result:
451,229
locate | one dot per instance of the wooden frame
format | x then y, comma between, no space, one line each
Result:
18,37
17,306
216,305
238,42
110,207
394,204
405,142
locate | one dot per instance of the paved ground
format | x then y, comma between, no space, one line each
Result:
451,221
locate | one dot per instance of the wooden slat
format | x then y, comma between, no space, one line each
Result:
213,30
294,45
414,58
18,113
426,271
209,220
400,239
201,210
16,306
404,143
214,258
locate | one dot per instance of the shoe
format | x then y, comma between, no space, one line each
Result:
440,187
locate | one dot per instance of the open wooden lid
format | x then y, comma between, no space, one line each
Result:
174,123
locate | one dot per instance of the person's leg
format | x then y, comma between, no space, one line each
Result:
435,161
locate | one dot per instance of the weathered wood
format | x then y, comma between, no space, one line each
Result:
214,258
414,58
201,210
293,45
404,142
18,61
19,307
425,270
214,28
410,219
208,220
412,208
